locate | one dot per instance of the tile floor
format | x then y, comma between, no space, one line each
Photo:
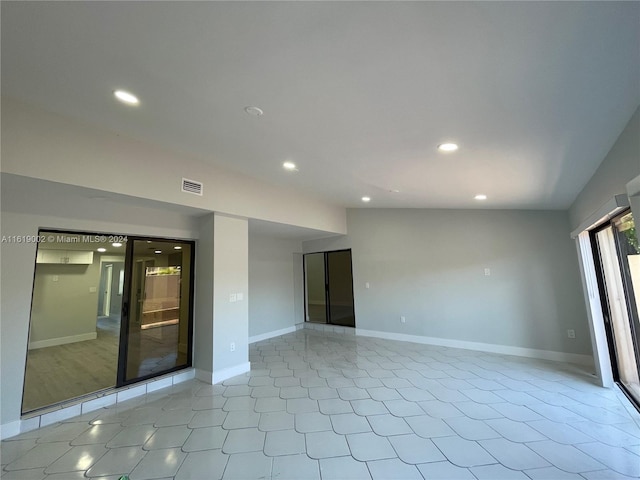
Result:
328,406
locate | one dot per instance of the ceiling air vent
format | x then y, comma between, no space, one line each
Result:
191,186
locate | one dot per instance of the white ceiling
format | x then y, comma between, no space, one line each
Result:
358,94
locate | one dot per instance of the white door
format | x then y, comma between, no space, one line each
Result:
106,301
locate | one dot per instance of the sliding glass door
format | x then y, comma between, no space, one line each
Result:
329,288
618,255
157,309
340,288
106,311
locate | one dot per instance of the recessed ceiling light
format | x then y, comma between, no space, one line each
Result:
255,111
290,166
447,147
177,247
366,199
158,251
116,244
102,250
126,97
480,196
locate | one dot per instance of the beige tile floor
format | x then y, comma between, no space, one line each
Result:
323,405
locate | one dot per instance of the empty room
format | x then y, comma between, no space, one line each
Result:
320,240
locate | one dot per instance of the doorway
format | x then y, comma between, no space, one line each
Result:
617,257
84,336
329,288
106,289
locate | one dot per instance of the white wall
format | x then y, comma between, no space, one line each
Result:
428,265
620,166
230,276
39,144
272,288
222,270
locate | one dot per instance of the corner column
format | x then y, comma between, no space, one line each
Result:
221,326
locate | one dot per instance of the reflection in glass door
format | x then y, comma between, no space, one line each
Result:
340,288
619,259
74,328
316,298
106,311
158,309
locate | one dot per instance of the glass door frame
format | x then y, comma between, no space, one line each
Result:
126,310
326,285
632,309
128,268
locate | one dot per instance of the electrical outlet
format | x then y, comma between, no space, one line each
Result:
233,297
403,320
232,347
571,333
487,272
240,296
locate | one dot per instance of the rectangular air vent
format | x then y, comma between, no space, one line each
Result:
191,186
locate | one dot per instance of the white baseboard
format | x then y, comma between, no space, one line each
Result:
482,347
10,429
204,376
221,375
52,342
268,335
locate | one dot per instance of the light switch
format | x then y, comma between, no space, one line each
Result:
239,296
93,289
487,272
233,297
366,285
55,278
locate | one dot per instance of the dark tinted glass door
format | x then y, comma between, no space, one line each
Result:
158,309
340,288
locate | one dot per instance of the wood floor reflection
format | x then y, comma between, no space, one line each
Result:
61,373
56,374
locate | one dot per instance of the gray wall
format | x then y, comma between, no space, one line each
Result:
428,265
272,289
64,307
620,166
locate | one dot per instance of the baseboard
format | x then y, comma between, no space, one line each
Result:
10,429
221,375
483,347
204,376
226,373
275,333
52,342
